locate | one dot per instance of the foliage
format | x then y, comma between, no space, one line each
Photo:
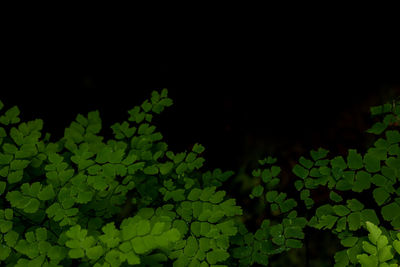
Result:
60,199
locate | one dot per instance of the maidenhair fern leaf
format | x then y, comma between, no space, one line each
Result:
300,171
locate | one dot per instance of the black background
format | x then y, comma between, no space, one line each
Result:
232,96
243,94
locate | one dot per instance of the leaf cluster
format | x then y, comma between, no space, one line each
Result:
59,199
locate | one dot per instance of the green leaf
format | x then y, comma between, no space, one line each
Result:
88,242
322,163
381,109
306,162
56,253
268,160
379,180
155,96
293,232
143,227
158,228
73,243
385,253
146,106
194,194
17,136
368,261
111,235
2,187
207,193
139,245
94,253
257,191
372,162
41,234
8,214
217,255
103,155
278,240
339,163
227,228
271,196
76,253
275,170
349,241
217,197
5,158
181,168
129,231
32,206
84,197
31,190
195,228
377,128
341,224
164,93
179,157
46,193
5,226
132,258
230,208
341,210
299,184
354,160
320,154
198,148
315,173
393,136
354,205
178,195
335,196
82,120
10,116
274,207
190,157
341,258
362,182
300,171
380,195
75,232
4,252
294,243
374,232
11,238
304,194
287,205
390,211
394,150
369,215
396,246
151,170
191,247
354,221
9,148
276,230
392,163
166,167
327,221
14,177
368,247
266,175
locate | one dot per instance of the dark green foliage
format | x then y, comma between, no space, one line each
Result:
60,200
